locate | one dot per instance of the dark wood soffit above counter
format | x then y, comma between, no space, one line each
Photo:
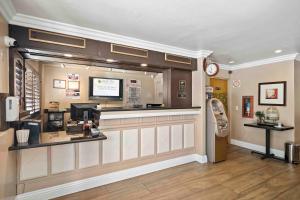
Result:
96,51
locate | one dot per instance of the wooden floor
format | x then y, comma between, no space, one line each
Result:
242,176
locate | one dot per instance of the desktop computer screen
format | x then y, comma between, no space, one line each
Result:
79,109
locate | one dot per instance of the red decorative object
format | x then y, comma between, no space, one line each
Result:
247,105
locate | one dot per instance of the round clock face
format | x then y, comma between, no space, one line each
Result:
212,69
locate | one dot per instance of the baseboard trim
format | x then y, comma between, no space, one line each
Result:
80,185
256,147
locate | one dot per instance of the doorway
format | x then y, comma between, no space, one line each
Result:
220,91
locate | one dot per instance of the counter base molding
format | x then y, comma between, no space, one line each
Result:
256,147
84,184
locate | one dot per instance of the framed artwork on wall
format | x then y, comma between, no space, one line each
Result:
247,102
73,85
182,89
59,84
272,93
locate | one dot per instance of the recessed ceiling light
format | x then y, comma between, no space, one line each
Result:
231,62
144,65
278,51
68,55
110,60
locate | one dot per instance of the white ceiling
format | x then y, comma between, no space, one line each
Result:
239,30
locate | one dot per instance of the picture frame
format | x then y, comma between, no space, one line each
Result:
181,89
73,85
59,84
248,107
272,93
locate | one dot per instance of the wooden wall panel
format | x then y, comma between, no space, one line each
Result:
62,158
33,163
88,154
111,147
163,139
147,141
176,76
130,144
189,135
176,137
98,49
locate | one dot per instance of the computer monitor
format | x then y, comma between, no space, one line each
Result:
79,110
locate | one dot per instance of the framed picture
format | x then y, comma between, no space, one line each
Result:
247,110
181,89
73,85
59,84
272,93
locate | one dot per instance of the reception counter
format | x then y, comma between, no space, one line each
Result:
138,140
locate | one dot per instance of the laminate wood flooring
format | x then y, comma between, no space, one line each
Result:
242,176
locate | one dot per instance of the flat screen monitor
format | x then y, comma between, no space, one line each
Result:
110,88
78,109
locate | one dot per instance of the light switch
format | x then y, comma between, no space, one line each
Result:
236,108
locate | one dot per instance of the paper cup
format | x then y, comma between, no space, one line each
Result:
22,136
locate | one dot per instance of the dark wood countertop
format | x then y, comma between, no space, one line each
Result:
56,138
283,128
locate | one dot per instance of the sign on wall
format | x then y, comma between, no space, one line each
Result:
133,90
73,90
182,89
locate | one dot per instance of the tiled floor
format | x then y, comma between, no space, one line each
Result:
242,176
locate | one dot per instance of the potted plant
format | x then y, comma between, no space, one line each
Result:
260,116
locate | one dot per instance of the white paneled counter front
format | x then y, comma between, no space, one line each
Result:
134,138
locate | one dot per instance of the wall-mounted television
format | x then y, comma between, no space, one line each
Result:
107,88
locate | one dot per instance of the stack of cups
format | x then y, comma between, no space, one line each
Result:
22,136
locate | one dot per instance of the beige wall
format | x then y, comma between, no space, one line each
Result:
250,77
7,159
199,99
297,100
3,57
52,94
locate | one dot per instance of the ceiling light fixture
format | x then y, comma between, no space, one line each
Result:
278,51
144,65
68,55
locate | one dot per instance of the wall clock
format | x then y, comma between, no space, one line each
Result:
210,68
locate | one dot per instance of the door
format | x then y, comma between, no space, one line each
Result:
220,91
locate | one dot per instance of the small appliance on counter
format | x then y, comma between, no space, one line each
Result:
34,127
22,136
95,132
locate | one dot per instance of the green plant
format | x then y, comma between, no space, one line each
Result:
260,115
